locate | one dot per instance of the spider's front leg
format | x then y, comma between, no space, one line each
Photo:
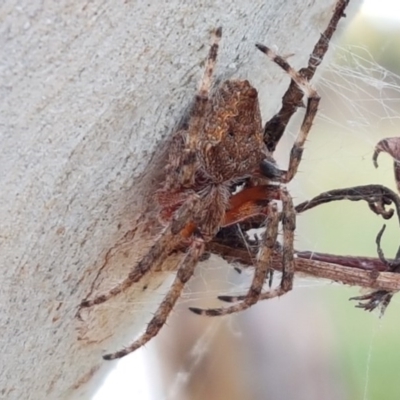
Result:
292,99
185,168
268,168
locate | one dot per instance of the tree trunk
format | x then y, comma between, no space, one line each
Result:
89,92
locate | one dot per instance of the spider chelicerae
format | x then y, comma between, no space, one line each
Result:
224,145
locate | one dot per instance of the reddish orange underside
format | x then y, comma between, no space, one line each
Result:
243,205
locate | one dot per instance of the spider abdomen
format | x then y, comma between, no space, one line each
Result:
232,139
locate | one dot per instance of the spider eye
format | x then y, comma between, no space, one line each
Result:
231,133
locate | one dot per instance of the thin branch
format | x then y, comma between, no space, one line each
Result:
369,277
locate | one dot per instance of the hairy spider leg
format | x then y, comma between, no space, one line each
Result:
288,229
202,96
260,274
140,269
311,111
198,112
292,99
265,255
185,271
175,234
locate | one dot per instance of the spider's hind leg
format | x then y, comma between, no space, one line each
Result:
152,257
260,273
262,267
184,273
170,239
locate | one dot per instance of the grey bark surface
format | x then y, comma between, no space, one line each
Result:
88,93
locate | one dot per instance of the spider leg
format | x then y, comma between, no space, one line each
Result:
311,112
179,231
198,111
185,271
154,254
201,98
292,99
289,226
206,82
260,273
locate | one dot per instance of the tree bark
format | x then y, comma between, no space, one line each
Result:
89,93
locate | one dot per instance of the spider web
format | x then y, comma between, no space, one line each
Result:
312,335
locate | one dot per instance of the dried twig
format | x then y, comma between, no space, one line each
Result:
308,264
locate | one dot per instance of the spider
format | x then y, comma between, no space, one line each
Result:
224,145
